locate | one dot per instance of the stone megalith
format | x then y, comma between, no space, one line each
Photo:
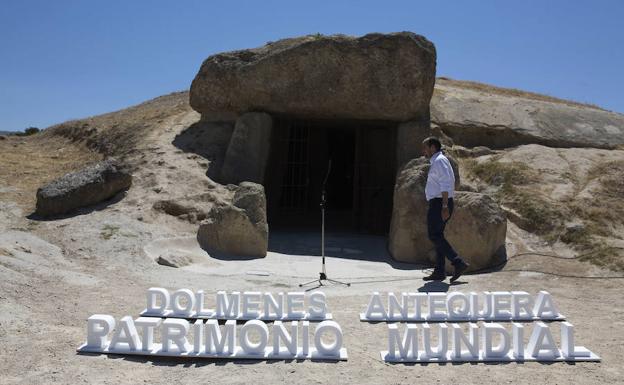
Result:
248,151
476,229
86,187
239,229
376,76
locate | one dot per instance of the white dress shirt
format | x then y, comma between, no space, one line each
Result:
440,177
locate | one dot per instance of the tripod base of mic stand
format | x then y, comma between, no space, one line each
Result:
323,277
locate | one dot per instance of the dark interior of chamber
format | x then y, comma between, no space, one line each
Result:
357,161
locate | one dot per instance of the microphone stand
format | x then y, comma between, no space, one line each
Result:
323,273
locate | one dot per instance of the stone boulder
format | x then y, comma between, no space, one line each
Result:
476,229
174,260
474,152
475,114
239,229
376,76
86,187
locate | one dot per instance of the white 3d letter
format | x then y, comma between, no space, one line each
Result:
228,305
545,307
295,301
126,334
251,304
375,310
318,305
155,295
289,339
147,326
180,309
461,312
332,350
408,347
542,343
501,350
440,350
471,341
215,342
244,341
175,330
98,327
521,305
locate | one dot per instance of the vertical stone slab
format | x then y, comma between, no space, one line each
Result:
248,151
410,136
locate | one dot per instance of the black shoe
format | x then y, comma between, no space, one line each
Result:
459,269
435,276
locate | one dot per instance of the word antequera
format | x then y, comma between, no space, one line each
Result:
458,306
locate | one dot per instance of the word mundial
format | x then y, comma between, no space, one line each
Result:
167,316
490,341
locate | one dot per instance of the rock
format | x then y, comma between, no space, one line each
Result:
474,114
475,152
174,260
250,197
410,136
461,151
476,229
239,229
574,232
3,137
86,187
191,211
376,76
191,208
481,151
248,150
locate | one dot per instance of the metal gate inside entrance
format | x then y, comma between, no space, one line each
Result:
359,185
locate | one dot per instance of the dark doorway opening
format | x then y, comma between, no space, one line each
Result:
360,183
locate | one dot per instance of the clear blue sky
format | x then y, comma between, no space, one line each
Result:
70,59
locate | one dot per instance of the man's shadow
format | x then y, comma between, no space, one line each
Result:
438,286
434,286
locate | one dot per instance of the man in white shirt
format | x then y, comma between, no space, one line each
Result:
439,192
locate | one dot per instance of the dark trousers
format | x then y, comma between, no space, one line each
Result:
435,229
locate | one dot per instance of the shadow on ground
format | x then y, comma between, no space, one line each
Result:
363,247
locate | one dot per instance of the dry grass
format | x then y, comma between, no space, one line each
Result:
546,217
507,177
504,174
119,133
26,163
487,88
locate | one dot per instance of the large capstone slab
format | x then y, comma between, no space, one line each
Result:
86,187
376,76
476,229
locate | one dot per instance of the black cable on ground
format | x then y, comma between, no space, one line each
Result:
494,268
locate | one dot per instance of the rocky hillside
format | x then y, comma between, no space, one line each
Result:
556,166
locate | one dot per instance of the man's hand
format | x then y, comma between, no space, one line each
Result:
445,213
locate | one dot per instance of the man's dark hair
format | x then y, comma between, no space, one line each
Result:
433,141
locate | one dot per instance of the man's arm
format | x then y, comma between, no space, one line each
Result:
447,181
445,210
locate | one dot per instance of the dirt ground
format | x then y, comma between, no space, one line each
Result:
56,273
